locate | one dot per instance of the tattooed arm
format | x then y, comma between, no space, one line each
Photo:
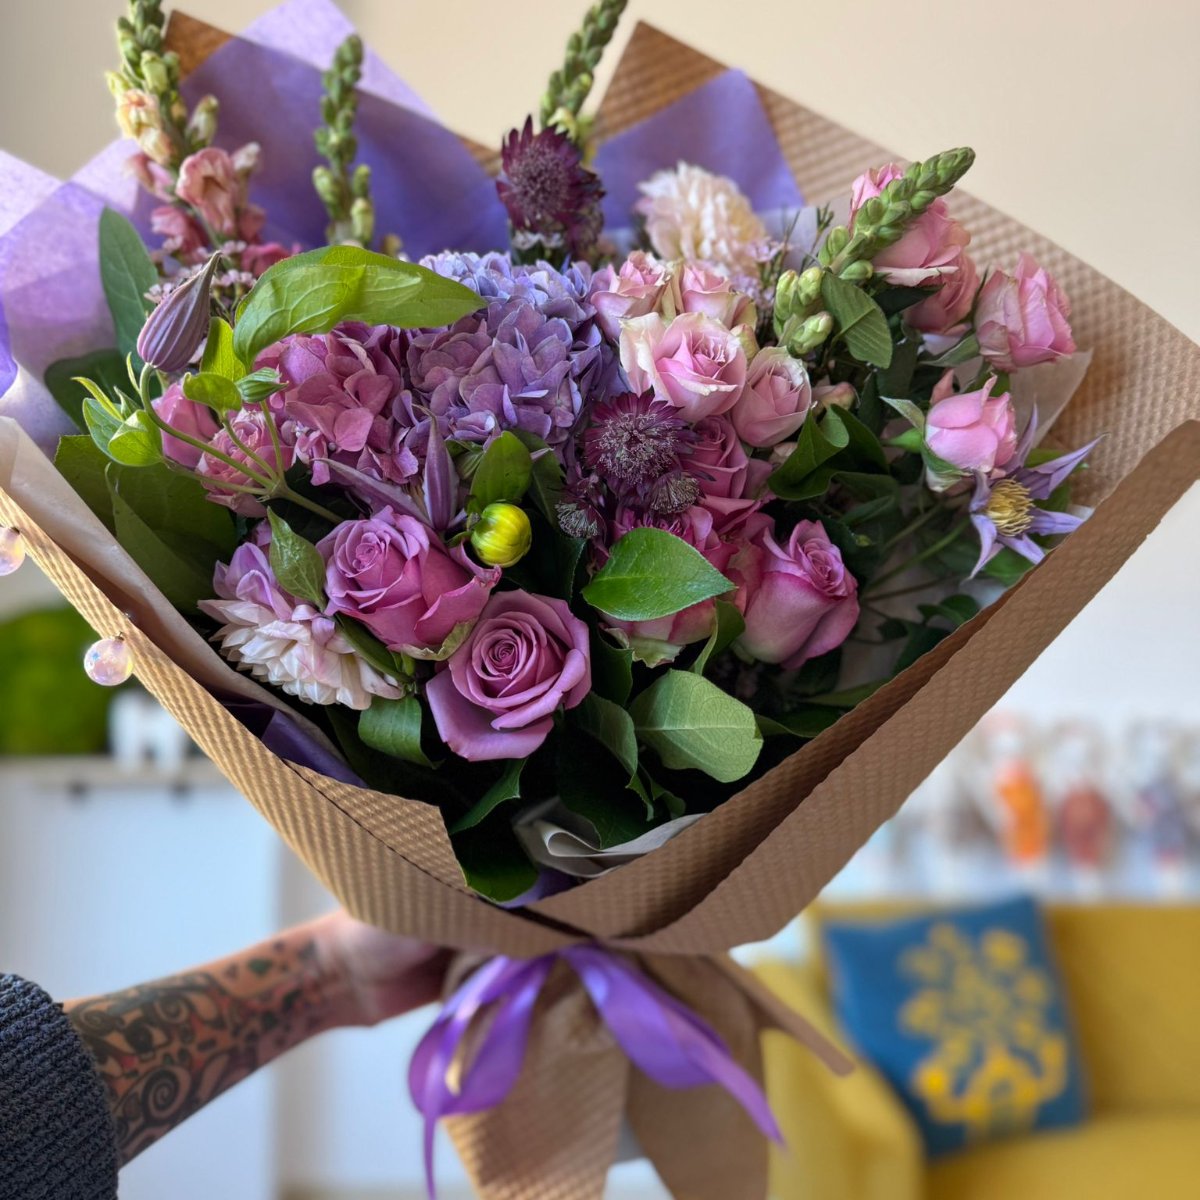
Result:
165,1049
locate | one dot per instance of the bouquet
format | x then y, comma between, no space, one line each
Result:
576,567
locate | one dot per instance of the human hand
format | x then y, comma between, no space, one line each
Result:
373,974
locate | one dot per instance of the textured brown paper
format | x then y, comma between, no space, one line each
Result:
743,871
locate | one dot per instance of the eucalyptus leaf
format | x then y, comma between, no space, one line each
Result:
127,273
220,358
859,320
693,724
651,573
313,292
297,563
217,392
394,728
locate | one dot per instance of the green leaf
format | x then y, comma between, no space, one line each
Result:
807,722
911,412
101,424
297,563
216,391
612,726
493,862
692,723
136,442
859,320
220,358
840,446
127,273
612,669
592,785
850,697
897,378
176,507
651,573
1007,566
546,478
503,473
727,628
961,352
394,728
83,464
313,292
507,787
258,385
371,648
957,610
105,367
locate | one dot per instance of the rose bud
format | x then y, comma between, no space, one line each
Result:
1021,319
174,331
775,400
502,535
973,431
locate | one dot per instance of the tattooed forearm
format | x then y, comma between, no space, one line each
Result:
166,1049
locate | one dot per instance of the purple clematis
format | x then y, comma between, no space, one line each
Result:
1005,510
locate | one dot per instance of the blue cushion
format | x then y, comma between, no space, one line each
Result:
962,1011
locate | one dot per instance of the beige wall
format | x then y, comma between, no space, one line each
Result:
1085,113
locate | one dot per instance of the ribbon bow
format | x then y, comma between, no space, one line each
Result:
661,1036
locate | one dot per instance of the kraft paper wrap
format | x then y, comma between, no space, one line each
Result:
743,871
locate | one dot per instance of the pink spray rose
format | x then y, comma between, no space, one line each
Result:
393,575
944,311
696,287
497,694
197,420
800,601
931,246
631,291
659,641
253,432
731,482
1021,319
775,400
973,431
695,364
209,182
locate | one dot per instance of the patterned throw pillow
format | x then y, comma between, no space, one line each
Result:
963,1012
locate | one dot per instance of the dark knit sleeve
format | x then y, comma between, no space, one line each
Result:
56,1134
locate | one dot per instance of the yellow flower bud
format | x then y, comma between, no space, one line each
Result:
502,535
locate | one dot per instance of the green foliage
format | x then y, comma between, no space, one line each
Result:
393,727
313,292
692,723
836,445
220,358
592,785
506,787
651,573
106,368
127,273
859,321
216,391
493,862
82,464
612,669
728,626
503,473
297,563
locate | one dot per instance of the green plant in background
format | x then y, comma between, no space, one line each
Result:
60,711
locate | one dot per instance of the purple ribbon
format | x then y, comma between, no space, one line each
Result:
662,1038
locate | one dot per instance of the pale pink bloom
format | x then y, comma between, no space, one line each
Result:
1021,319
945,311
286,642
696,287
973,431
183,238
633,290
775,400
209,182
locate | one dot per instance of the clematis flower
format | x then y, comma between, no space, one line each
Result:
1005,511
286,642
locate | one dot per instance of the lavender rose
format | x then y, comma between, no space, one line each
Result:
695,364
1021,319
497,695
391,574
800,601
775,400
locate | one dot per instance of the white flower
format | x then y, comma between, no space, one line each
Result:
285,642
693,214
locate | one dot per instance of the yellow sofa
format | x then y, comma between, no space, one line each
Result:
1132,977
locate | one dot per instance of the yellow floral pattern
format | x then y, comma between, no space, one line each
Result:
994,1060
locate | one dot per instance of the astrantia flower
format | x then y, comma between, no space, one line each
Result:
691,213
1005,511
548,191
636,445
286,642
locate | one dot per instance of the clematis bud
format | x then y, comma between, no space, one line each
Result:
502,535
174,331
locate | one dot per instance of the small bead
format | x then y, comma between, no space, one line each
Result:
109,662
12,550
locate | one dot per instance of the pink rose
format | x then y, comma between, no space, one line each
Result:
183,238
257,259
694,364
209,182
632,291
775,400
393,575
696,287
252,431
800,601
973,431
197,420
497,695
730,480
1021,319
659,641
931,246
944,311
